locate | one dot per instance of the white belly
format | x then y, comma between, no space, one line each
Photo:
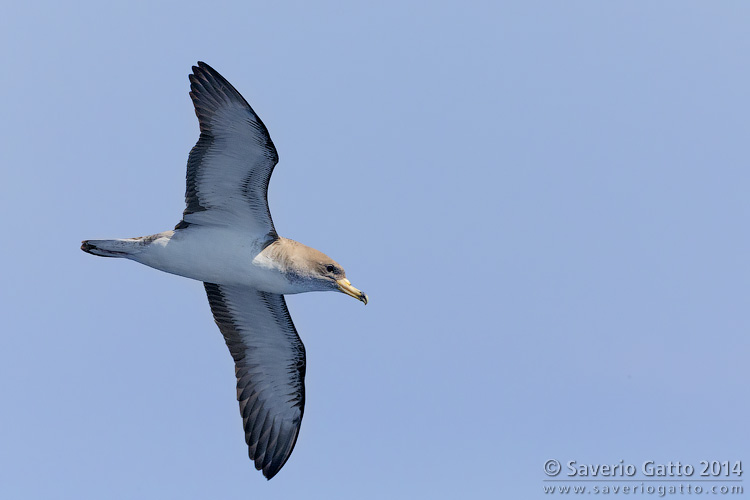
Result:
215,255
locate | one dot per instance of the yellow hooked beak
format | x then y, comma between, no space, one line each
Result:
346,287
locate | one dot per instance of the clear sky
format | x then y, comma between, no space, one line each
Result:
547,203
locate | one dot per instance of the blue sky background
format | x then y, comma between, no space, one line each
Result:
547,203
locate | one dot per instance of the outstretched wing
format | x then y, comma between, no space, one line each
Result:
269,362
229,168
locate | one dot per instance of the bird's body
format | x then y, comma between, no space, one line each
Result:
211,254
227,240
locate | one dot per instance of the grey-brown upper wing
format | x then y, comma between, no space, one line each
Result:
229,168
270,367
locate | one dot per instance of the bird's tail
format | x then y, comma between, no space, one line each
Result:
111,248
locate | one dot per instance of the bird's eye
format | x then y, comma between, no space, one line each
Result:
330,268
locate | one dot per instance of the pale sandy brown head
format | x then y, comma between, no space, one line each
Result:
313,266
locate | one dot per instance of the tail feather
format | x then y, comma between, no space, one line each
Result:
108,248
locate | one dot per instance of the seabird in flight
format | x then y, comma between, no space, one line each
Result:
226,239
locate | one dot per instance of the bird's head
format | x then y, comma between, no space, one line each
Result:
322,272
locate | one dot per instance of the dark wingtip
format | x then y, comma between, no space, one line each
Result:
269,471
209,92
204,69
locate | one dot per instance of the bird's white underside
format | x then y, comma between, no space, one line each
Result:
219,254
